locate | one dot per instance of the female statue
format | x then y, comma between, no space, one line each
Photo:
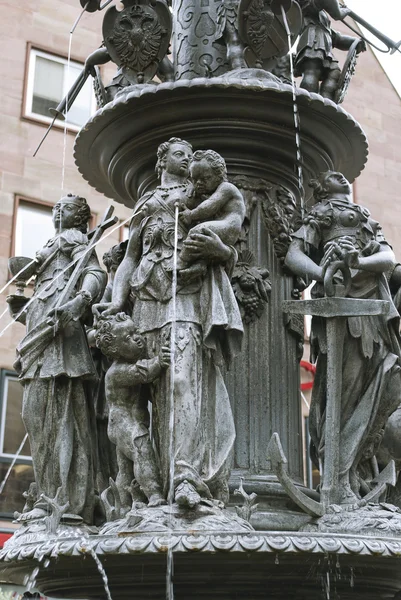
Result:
55,366
196,413
337,230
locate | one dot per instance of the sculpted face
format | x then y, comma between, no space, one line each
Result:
65,212
178,159
204,178
131,346
337,183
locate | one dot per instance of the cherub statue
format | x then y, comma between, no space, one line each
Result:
315,61
216,205
128,426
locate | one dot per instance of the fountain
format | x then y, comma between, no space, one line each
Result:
249,202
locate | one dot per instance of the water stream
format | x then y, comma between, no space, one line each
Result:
110,232
10,468
170,557
66,115
297,123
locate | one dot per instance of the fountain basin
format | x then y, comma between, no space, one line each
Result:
211,565
249,121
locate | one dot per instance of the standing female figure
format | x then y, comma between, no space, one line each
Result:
336,229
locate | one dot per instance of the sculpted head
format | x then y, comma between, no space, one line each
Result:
330,183
208,170
117,338
174,157
113,257
71,212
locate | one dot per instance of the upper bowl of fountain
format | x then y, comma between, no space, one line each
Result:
248,121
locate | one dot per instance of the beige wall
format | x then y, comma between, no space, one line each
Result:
45,23
373,102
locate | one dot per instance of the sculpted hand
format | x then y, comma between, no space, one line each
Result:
350,254
105,309
165,357
70,311
185,217
207,244
344,12
361,47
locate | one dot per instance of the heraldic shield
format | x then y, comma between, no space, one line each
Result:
137,37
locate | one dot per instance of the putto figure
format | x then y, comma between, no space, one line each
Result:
216,205
208,333
315,61
55,365
129,417
337,231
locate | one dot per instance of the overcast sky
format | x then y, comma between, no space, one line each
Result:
385,15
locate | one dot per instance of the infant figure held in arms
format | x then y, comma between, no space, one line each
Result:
217,205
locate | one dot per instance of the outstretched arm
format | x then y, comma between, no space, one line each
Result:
121,284
344,42
300,263
98,57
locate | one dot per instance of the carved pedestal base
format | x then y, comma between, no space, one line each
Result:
303,566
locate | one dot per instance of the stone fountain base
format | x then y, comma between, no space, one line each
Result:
214,565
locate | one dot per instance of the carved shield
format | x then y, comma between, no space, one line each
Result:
347,72
264,31
137,38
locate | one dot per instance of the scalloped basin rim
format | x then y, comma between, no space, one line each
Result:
114,145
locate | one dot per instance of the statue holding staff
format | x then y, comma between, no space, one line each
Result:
55,365
208,332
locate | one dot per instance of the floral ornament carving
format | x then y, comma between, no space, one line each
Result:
251,286
279,210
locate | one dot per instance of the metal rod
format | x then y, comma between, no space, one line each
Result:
60,111
391,45
79,17
45,136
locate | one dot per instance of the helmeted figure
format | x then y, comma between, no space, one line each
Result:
315,60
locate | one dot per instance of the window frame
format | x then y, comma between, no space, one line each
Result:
43,120
18,198
8,458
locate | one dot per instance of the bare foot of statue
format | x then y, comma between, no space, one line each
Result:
35,513
156,500
186,495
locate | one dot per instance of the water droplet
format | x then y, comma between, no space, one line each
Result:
46,563
352,581
277,561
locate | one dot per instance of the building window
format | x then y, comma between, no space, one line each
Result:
33,226
49,78
12,432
